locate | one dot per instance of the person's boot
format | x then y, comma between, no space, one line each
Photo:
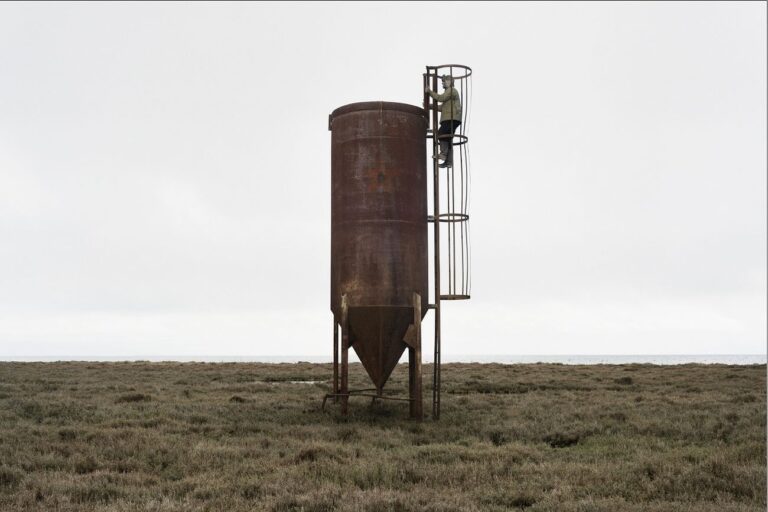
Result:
448,161
444,150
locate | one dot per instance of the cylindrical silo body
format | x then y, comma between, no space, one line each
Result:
378,224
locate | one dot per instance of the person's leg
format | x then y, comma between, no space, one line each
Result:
451,126
445,129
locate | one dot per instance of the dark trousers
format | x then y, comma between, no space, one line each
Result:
446,145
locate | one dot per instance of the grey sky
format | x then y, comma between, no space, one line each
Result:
165,173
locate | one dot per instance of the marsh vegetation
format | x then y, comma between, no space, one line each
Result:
241,436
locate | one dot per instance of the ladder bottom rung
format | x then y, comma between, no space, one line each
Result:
454,297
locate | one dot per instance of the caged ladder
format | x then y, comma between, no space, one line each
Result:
451,219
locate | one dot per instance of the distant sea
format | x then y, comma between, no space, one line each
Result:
739,359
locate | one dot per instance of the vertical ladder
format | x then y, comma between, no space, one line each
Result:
453,217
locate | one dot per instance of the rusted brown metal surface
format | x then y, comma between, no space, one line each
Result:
378,230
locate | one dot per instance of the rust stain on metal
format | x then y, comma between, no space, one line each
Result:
382,180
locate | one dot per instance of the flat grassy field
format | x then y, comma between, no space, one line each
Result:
242,437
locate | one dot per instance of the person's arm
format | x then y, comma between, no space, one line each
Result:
441,97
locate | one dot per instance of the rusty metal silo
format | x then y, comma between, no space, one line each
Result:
379,261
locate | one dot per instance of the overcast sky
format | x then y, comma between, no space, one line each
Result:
165,173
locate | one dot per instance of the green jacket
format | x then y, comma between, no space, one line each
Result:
451,104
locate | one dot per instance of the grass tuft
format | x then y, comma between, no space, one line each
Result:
67,434
10,478
133,397
562,439
83,465
499,437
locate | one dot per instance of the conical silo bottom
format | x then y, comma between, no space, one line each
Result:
376,334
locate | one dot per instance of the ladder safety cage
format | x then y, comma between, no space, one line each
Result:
453,185
451,219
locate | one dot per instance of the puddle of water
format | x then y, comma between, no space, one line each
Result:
273,383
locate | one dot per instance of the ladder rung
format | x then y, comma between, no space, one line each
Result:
454,297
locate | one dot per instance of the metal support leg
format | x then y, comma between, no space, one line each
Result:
414,363
335,360
344,356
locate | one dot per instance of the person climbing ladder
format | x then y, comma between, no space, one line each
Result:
450,118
